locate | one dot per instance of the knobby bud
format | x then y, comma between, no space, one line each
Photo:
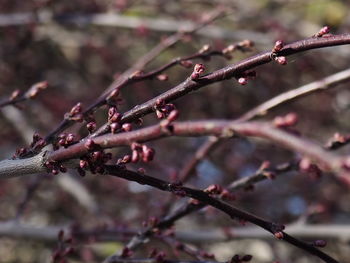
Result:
186,63
163,77
89,144
114,127
324,30
248,44
15,94
278,46
213,189
319,243
281,60
243,81
279,235
127,127
288,120
197,71
36,88
204,49
91,126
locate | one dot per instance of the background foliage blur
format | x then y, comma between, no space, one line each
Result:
79,59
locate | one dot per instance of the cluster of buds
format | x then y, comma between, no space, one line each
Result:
38,142
20,152
197,71
165,110
94,161
114,118
309,168
243,77
141,152
65,139
35,89
324,31
279,44
55,167
75,114
64,248
289,120
240,259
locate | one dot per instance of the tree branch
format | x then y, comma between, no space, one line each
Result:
207,199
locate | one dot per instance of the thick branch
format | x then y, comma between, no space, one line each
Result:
198,128
203,128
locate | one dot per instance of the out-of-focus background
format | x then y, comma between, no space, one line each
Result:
80,46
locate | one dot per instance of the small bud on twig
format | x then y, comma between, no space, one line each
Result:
197,71
281,60
324,30
278,46
243,81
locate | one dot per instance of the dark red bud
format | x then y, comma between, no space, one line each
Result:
279,235
320,243
91,126
70,138
83,164
115,126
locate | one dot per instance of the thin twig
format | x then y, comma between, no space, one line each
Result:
207,199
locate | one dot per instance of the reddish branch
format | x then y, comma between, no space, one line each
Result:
202,128
235,70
